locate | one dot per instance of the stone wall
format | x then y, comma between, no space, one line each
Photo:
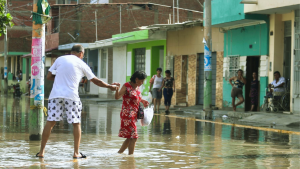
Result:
177,77
192,80
219,81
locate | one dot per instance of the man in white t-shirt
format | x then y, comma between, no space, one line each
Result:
278,83
67,71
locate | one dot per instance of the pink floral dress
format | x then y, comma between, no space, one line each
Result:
128,115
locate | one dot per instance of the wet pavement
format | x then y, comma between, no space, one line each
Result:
169,142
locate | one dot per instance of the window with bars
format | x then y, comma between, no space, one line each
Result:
234,65
139,61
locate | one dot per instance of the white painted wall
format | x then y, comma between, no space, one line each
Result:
263,5
48,62
101,89
119,64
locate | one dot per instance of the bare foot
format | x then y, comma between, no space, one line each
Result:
234,108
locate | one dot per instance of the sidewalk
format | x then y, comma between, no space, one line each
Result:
277,120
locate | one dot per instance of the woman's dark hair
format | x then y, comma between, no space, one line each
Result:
277,72
240,70
141,75
159,69
168,72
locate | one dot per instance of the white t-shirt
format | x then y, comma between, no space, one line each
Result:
68,70
157,81
280,81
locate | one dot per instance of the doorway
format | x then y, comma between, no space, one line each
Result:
252,65
287,50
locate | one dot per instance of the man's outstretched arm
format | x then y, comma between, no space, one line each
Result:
100,83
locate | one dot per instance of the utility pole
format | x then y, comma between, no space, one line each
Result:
173,11
36,116
120,18
5,55
177,11
207,59
96,23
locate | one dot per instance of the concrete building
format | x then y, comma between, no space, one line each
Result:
284,42
145,50
246,47
185,50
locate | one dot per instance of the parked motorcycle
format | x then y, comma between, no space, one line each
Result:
17,90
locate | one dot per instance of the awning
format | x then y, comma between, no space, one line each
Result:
48,50
69,46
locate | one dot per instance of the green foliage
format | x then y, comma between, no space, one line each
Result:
5,18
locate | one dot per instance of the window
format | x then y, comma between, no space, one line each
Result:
140,59
63,1
99,1
234,65
93,61
103,63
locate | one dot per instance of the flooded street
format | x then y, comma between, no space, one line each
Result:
169,142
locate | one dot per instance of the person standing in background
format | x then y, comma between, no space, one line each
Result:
169,87
156,93
254,91
237,88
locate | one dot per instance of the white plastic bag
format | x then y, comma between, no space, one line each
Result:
148,115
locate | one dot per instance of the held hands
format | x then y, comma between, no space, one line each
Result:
115,86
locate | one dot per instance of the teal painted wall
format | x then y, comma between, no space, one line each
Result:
154,46
237,41
24,65
263,86
223,11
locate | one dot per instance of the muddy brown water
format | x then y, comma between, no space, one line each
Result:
169,142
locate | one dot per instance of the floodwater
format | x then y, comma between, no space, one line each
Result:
169,142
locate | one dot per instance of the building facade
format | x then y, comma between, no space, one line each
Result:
284,46
246,47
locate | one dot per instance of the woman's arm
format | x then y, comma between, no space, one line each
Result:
151,84
174,85
244,80
162,85
120,93
230,80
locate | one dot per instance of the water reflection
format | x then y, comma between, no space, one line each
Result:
168,142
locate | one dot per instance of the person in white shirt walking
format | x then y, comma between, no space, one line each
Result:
156,92
67,71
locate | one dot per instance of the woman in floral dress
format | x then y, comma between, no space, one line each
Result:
132,97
